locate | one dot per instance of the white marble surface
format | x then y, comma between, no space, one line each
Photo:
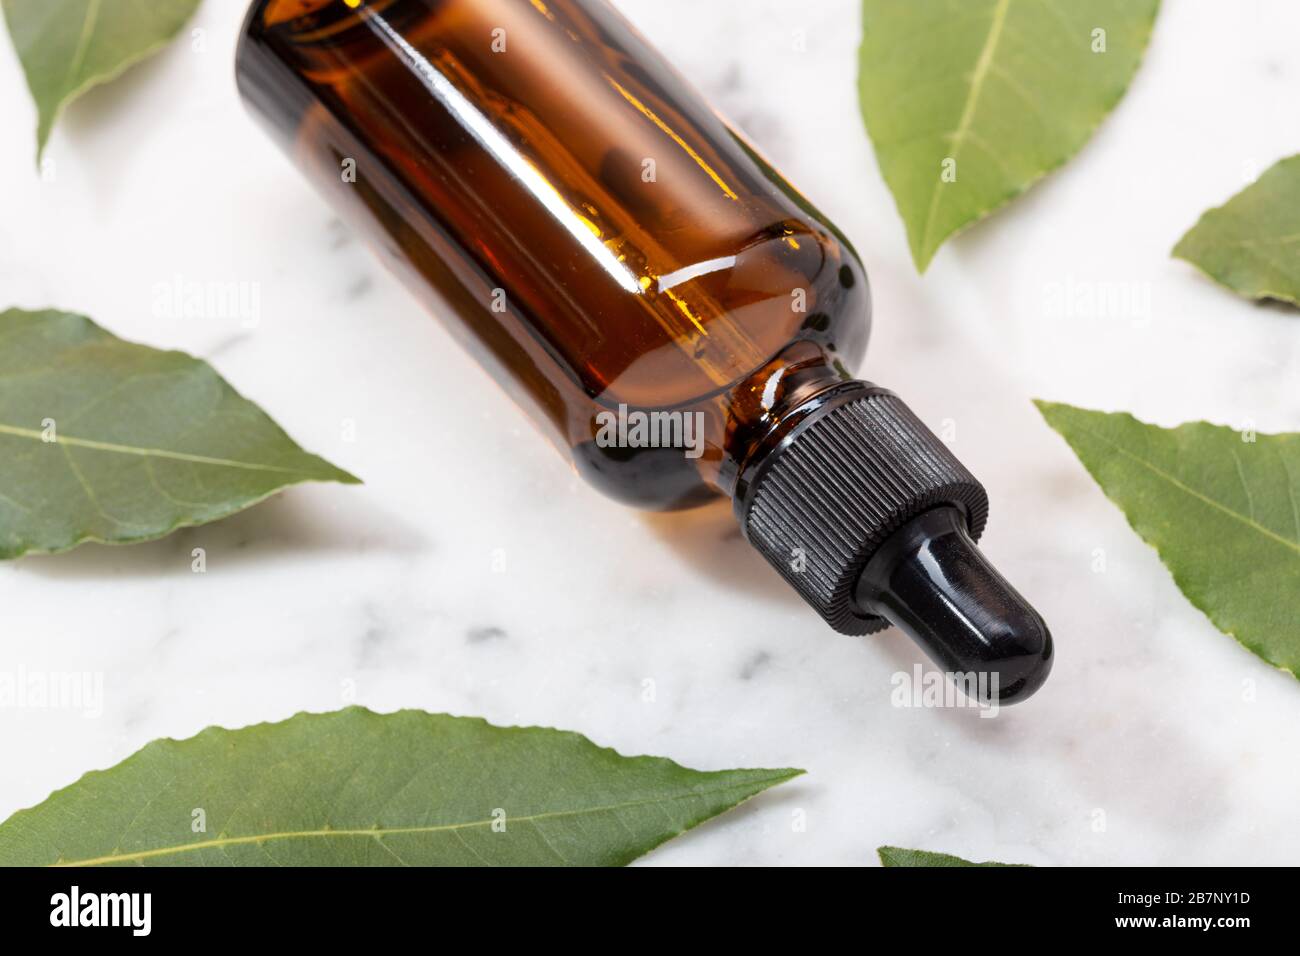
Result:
389,588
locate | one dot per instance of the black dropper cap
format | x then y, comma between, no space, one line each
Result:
874,521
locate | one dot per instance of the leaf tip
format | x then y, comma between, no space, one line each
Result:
1049,410
344,477
45,120
782,775
922,257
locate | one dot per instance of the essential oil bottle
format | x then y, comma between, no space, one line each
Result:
674,314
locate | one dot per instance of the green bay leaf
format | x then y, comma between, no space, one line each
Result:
356,788
1220,506
999,92
1251,243
105,440
68,46
897,856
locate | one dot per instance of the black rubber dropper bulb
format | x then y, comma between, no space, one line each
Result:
932,581
866,513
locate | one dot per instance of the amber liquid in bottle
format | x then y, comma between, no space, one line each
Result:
592,231
609,248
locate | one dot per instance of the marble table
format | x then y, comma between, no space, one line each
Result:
473,573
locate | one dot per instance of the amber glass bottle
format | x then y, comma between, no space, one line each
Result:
675,314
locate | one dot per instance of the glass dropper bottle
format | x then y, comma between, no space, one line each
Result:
672,312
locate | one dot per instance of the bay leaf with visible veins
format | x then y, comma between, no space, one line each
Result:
969,103
105,440
356,788
1251,243
68,46
1220,506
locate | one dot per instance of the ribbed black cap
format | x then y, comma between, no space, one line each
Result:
839,484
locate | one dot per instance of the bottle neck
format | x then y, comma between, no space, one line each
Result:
802,405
